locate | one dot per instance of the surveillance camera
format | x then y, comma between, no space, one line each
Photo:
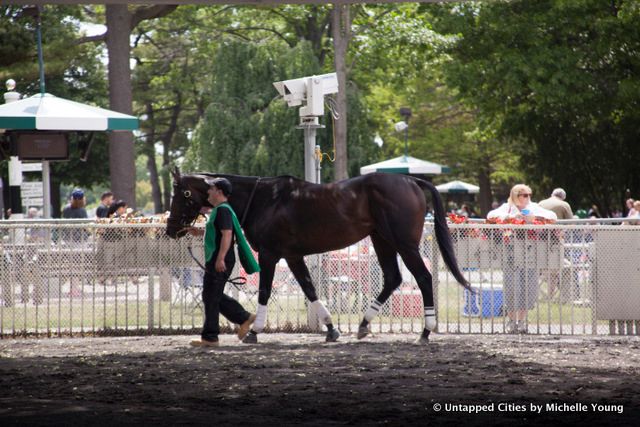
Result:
310,89
293,91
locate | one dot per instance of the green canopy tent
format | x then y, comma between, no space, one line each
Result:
459,187
406,165
41,114
48,112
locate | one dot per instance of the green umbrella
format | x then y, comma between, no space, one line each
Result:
405,164
48,112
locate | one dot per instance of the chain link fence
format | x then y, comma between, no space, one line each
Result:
82,278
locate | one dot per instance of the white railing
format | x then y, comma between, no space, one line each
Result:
77,277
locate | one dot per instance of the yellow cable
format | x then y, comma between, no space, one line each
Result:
319,154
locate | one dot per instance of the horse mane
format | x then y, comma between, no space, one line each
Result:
297,182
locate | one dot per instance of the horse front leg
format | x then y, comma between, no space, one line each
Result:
267,270
301,273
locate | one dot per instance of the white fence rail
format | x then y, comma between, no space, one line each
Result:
61,278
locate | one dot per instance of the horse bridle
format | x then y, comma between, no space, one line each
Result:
191,206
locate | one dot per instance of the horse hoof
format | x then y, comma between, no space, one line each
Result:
423,339
250,339
333,335
363,331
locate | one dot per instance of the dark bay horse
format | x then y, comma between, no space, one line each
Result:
285,217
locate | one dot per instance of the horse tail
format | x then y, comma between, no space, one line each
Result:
442,232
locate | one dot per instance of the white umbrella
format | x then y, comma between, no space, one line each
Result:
458,187
48,112
405,164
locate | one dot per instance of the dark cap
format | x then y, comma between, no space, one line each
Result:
77,194
220,183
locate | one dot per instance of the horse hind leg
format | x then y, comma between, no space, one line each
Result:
415,264
392,279
301,273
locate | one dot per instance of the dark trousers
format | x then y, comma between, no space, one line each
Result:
216,302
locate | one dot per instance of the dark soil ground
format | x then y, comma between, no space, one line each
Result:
297,379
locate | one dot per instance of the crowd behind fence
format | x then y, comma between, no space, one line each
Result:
83,278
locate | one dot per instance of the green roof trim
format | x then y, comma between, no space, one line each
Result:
122,124
393,170
18,123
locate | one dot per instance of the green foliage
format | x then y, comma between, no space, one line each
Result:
246,130
561,79
72,71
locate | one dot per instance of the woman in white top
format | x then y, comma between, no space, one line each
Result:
520,282
520,206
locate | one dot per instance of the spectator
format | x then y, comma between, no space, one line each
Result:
117,209
634,213
557,204
520,280
631,208
464,211
106,199
594,212
75,208
520,206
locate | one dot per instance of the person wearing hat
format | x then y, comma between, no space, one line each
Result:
220,231
75,208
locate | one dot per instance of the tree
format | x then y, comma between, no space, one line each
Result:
561,80
170,56
72,71
121,20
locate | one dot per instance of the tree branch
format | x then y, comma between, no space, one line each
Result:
92,39
150,12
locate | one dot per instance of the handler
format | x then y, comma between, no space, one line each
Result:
220,230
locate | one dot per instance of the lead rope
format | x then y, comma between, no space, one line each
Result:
235,281
239,280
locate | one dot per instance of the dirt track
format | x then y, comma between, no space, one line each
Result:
298,379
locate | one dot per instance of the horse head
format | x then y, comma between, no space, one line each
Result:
189,195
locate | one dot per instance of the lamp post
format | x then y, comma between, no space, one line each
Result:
405,112
403,126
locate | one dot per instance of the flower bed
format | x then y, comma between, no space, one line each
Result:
478,247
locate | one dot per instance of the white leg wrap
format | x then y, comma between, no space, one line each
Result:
372,311
429,318
261,318
323,313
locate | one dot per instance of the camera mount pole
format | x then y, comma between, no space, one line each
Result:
312,168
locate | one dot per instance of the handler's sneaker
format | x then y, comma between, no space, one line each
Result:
510,327
204,343
243,329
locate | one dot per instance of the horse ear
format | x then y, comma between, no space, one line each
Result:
176,173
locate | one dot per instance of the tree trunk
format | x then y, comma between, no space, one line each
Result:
341,32
156,192
121,148
56,202
166,180
485,197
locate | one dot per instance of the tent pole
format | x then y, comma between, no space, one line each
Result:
46,189
40,56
